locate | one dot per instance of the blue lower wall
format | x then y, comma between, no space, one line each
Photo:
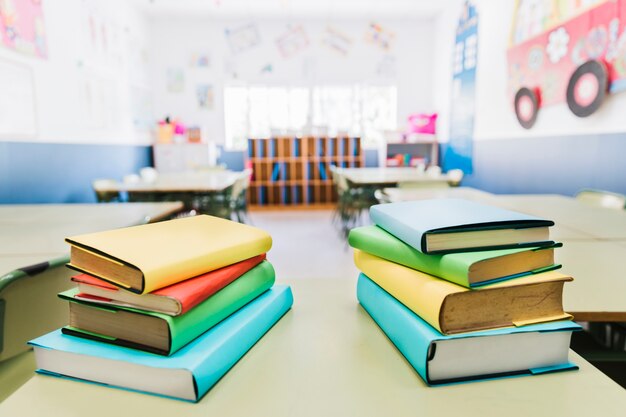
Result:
561,165
62,173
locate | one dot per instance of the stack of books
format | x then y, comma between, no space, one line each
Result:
165,308
465,291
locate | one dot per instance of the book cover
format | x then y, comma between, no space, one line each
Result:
454,267
183,329
199,365
415,221
168,252
421,344
451,308
173,300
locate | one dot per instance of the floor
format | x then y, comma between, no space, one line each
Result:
306,244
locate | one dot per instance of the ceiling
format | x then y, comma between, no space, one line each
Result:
371,9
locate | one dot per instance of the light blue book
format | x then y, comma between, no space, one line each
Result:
188,374
438,359
456,225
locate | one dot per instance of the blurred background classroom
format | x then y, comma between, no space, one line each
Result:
296,116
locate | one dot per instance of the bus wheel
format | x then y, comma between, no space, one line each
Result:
587,88
526,106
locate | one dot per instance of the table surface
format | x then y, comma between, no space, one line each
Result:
382,176
30,234
180,182
327,357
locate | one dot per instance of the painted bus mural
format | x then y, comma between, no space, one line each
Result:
571,51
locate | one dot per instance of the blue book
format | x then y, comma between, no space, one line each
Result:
439,359
296,147
322,171
276,171
455,225
272,145
187,375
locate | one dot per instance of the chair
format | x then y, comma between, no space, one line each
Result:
381,197
238,200
102,188
602,198
455,176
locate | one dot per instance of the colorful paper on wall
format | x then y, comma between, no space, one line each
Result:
337,40
462,106
200,60
379,36
205,96
22,27
243,38
293,41
175,80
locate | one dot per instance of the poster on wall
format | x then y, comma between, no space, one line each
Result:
242,38
462,106
18,118
293,41
200,60
22,27
565,52
175,80
205,96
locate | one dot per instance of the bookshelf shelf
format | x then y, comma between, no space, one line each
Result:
295,171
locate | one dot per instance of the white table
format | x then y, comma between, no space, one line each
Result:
327,357
180,182
384,176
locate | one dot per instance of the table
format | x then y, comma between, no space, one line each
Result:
390,176
409,194
179,182
327,357
33,235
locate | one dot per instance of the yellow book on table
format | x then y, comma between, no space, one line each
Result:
451,308
145,258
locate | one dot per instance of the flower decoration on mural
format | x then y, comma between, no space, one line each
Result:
597,40
535,58
620,56
579,55
611,51
557,44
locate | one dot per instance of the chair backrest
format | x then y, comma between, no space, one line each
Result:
338,180
423,184
242,184
602,198
102,188
455,176
381,197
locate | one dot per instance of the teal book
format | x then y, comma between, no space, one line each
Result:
456,225
438,359
468,269
186,375
160,333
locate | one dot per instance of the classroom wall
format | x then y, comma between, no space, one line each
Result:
176,39
560,154
92,104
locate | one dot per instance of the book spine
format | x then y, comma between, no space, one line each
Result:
411,335
239,333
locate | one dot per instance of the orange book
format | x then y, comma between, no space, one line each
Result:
173,300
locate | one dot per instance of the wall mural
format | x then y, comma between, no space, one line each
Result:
22,27
566,51
459,152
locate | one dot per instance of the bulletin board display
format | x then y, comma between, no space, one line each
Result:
22,27
551,39
462,107
18,115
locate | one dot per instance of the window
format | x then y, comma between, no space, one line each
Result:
264,111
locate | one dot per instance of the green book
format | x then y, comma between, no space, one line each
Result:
161,333
469,269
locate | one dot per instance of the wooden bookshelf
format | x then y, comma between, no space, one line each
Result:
417,149
294,171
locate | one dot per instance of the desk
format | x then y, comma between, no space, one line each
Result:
597,222
409,194
34,234
390,176
327,357
181,182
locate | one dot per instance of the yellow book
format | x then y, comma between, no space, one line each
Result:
145,258
451,308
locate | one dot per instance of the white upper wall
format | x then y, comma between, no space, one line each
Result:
495,118
175,40
84,91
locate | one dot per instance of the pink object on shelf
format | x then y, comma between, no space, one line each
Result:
422,123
